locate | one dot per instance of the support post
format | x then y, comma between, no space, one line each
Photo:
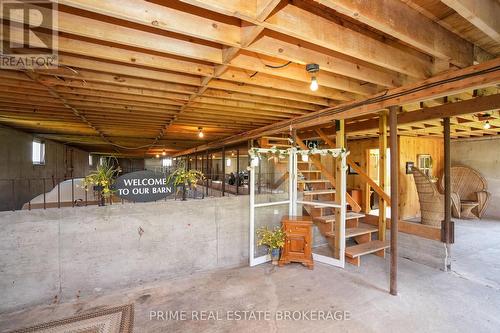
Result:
207,171
340,143
393,125
447,228
223,170
237,171
382,172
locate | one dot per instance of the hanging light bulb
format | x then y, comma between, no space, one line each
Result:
164,153
487,125
313,69
157,155
200,132
314,84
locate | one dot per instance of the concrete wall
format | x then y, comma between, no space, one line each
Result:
59,254
15,164
484,156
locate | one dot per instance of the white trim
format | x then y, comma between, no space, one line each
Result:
328,260
293,202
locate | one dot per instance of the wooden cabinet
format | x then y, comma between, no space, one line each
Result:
298,242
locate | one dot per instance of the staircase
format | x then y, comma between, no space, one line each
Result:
360,238
315,182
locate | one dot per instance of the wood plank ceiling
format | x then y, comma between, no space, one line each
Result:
138,77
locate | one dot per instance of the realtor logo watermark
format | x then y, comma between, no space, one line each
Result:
29,34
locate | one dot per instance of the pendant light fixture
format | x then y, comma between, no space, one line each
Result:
487,125
313,69
164,153
200,132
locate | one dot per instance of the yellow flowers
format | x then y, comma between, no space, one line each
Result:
103,177
273,239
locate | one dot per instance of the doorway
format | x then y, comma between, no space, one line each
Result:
373,170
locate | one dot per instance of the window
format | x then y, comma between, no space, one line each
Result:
425,164
90,160
166,162
228,162
38,153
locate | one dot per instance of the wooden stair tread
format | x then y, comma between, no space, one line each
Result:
316,192
310,171
353,232
313,181
331,218
366,248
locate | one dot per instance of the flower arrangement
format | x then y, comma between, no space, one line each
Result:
182,179
274,240
102,178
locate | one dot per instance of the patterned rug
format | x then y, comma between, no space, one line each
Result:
115,320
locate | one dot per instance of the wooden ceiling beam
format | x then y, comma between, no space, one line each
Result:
248,105
85,48
113,33
264,91
328,61
161,17
271,81
261,64
245,97
108,67
397,19
483,14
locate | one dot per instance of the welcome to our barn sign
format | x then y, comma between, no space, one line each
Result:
143,186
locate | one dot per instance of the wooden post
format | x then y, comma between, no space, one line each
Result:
340,143
447,228
382,171
393,125
237,170
223,170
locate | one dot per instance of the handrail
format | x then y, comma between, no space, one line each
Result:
358,170
354,205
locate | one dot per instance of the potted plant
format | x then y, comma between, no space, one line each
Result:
102,179
273,239
183,179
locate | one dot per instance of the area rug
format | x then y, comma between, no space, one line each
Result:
114,320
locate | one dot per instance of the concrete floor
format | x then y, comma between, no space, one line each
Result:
464,300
